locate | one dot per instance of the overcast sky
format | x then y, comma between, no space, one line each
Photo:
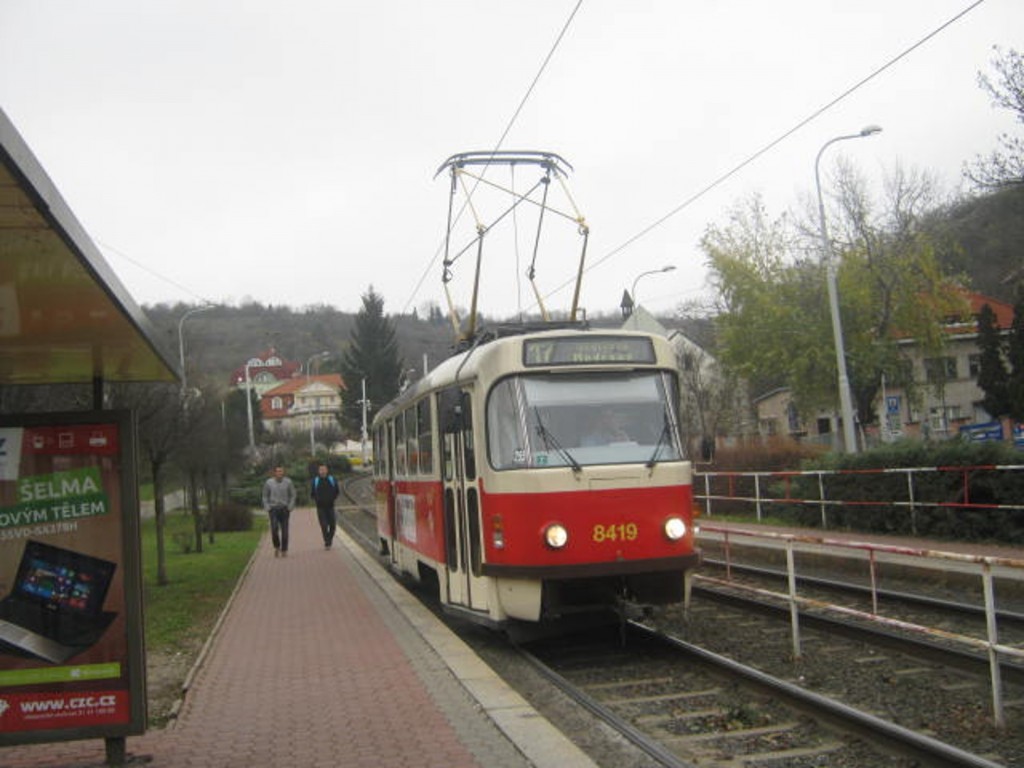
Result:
285,152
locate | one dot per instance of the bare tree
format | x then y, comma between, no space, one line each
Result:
159,412
1004,167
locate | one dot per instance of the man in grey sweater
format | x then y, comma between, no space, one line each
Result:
279,501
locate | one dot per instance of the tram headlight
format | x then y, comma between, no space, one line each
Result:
675,528
555,536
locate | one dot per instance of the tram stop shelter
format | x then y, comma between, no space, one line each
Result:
64,315
68,481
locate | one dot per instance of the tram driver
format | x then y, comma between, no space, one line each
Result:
607,428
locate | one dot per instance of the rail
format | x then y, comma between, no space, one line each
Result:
960,486
935,558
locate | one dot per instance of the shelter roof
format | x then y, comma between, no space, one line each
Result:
65,317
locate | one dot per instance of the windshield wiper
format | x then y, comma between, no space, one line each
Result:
550,441
657,446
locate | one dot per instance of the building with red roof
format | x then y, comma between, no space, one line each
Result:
304,404
265,371
948,399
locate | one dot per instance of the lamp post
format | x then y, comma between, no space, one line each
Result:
632,292
248,409
845,401
364,404
312,413
181,342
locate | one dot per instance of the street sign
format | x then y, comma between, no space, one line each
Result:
980,433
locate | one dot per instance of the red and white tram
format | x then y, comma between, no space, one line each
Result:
538,475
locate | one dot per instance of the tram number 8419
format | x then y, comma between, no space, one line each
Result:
614,532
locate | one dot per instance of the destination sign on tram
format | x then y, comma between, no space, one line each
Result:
571,350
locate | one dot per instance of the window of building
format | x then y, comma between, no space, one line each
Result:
273,361
941,417
973,365
276,403
939,369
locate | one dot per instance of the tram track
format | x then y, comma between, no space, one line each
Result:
775,738
671,712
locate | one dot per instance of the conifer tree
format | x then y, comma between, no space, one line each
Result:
1015,361
992,373
372,355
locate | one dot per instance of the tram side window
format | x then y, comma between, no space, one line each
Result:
376,452
400,463
426,437
468,445
447,417
381,455
411,440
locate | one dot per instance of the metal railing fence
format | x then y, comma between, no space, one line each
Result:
908,489
935,559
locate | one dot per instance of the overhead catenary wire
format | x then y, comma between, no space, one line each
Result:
769,146
153,272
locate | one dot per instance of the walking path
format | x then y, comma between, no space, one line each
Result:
323,660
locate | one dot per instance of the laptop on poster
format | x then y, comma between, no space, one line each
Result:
54,609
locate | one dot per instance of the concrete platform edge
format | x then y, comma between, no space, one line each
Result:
539,741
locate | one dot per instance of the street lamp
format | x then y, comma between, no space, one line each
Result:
845,401
632,292
181,342
248,408
312,413
364,403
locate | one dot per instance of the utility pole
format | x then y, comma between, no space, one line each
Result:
248,409
364,433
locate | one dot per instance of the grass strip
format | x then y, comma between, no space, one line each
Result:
184,611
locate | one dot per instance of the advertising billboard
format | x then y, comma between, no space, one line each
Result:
71,640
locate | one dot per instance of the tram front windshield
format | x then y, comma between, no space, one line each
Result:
544,420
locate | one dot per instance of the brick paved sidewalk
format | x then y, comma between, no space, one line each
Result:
315,666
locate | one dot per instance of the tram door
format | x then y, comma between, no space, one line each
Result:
465,587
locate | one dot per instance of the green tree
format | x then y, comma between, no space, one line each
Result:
1005,165
372,355
992,373
1001,364
1015,359
775,326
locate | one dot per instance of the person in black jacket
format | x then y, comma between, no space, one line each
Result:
324,490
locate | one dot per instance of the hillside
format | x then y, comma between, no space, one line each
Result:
220,339
988,232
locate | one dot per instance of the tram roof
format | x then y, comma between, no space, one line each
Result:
467,365
65,317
